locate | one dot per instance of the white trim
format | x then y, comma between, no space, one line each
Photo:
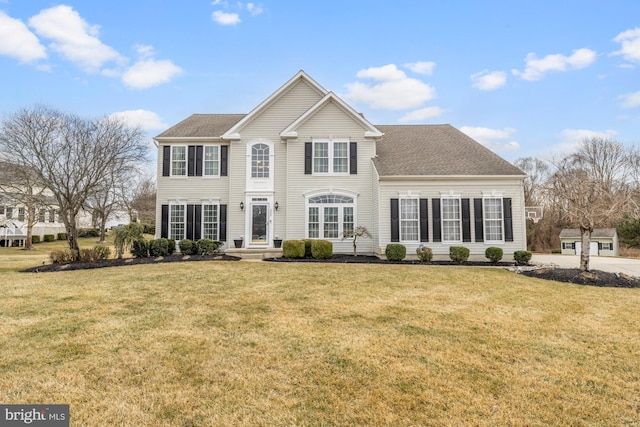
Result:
450,196
186,160
487,196
331,192
260,184
330,153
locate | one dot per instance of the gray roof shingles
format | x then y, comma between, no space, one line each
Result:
571,233
202,126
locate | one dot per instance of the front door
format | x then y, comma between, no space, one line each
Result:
259,221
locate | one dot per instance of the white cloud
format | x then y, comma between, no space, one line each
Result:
422,114
630,41
536,68
492,138
18,42
73,37
571,139
630,100
489,80
147,120
147,73
224,18
422,67
254,9
395,91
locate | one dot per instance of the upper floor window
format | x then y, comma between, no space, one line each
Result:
260,161
178,160
493,219
330,156
211,160
451,220
409,217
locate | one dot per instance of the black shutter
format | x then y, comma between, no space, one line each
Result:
353,158
424,220
395,221
197,222
308,149
223,223
479,222
224,155
466,221
166,160
435,206
599,246
199,149
191,160
508,221
164,229
190,222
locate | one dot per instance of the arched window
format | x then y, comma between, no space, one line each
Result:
330,216
260,161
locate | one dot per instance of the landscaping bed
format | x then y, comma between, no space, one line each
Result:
588,278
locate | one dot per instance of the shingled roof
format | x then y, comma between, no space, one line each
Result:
597,233
435,150
202,126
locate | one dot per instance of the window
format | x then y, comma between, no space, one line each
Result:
9,212
330,216
211,160
493,220
331,157
451,223
178,160
1,210
52,215
568,245
177,222
20,214
409,218
210,222
607,246
41,215
260,161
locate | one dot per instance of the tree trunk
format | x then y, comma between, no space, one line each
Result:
31,213
586,246
103,229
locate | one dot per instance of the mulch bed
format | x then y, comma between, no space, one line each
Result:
588,278
372,259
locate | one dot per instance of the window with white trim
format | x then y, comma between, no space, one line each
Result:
330,216
331,156
211,160
493,219
607,246
451,220
409,217
260,161
210,222
21,214
178,160
9,212
177,222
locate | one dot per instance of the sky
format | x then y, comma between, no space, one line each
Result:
524,78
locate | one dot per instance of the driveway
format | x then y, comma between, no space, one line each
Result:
630,266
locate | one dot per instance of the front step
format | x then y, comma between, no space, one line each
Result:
245,253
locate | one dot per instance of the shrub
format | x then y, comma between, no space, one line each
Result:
459,254
171,244
321,249
556,251
293,248
49,238
35,239
88,232
62,236
87,255
307,248
493,254
159,247
207,246
424,253
522,257
62,256
123,237
148,229
102,252
140,248
395,252
187,247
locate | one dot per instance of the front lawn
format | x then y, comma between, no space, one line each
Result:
239,343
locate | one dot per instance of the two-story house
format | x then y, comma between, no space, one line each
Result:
304,164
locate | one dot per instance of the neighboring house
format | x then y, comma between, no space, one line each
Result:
13,224
604,242
304,164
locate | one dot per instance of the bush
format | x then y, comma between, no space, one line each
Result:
459,254
395,252
140,248
187,247
87,255
207,246
172,246
62,236
148,229
308,248
95,254
159,247
62,256
522,257
35,239
321,249
556,251
424,253
493,254
102,252
88,232
293,248
49,238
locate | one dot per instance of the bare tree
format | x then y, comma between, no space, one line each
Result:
71,156
537,171
589,188
138,196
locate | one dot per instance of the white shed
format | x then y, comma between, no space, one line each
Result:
604,242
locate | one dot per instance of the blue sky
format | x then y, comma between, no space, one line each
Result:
525,78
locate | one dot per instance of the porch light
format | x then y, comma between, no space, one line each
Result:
241,206
276,205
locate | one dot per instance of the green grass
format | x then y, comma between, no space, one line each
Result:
236,343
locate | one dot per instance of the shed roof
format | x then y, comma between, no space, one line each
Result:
598,233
